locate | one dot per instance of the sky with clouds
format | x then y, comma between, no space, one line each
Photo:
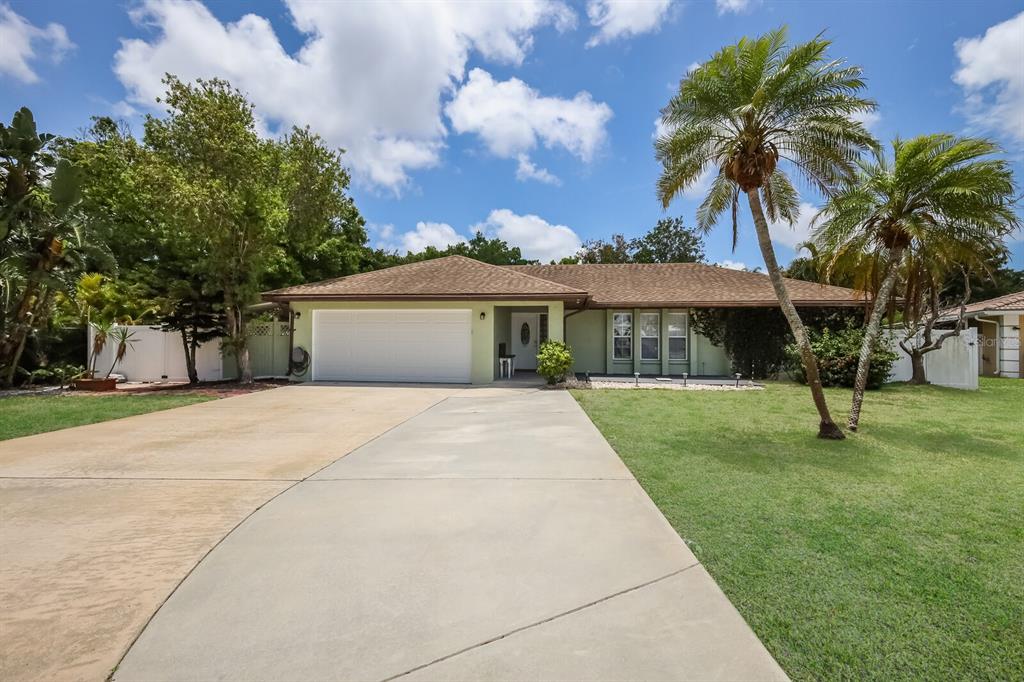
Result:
531,121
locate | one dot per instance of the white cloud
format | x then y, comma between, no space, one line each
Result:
537,238
698,190
797,233
512,118
624,18
526,170
731,264
438,235
21,42
991,74
660,129
734,6
868,118
369,77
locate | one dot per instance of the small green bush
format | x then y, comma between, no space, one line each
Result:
838,353
554,360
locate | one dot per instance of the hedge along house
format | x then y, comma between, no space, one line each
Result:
448,320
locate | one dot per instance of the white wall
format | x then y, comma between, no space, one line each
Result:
156,356
954,365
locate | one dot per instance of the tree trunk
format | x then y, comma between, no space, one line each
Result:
871,336
14,344
190,356
826,427
239,342
917,363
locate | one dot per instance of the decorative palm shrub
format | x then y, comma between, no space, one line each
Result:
554,360
838,353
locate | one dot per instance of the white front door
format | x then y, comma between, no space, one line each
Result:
525,332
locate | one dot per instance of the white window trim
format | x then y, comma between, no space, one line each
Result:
685,335
616,336
656,358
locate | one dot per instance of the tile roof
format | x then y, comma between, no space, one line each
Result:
684,284
1007,303
452,277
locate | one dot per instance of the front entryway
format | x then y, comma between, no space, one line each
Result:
525,333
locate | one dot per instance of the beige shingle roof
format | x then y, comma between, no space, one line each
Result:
1007,303
684,284
634,284
453,277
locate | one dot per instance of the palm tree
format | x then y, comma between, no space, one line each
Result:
937,193
751,106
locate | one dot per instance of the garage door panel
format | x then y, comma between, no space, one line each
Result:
392,345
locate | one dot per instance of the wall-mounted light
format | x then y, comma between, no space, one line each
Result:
483,315
297,314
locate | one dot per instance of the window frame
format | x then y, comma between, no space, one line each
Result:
657,336
685,335
615,335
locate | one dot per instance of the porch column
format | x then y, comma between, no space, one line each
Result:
556,321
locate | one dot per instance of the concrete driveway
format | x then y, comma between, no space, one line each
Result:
495,535
99,523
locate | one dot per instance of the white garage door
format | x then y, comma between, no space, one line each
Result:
391,345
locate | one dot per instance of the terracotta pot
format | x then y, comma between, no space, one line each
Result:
95,384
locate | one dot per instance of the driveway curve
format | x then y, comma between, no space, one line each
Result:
99,523
494,535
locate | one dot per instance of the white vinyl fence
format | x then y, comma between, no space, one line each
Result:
954,365
155,355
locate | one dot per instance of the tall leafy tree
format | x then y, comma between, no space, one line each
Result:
41,243
223,192
669,241
324,234
754,111
937,193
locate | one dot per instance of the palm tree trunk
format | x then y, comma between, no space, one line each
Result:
826,427
871,336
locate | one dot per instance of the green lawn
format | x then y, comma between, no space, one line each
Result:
25,415
895,554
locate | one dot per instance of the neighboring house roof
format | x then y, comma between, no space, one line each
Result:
628,285
1010,303
451,277
685,285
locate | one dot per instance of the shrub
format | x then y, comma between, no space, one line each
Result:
554,360
838,353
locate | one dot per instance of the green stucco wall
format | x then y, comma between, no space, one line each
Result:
483,365
586,334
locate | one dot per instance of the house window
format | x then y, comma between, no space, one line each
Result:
650,336
677,336
622,336
543,327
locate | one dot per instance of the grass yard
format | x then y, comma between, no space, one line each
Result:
895,554
25,415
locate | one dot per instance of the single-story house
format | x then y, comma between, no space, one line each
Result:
997,320
449,319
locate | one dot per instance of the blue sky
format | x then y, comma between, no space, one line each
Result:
532,120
